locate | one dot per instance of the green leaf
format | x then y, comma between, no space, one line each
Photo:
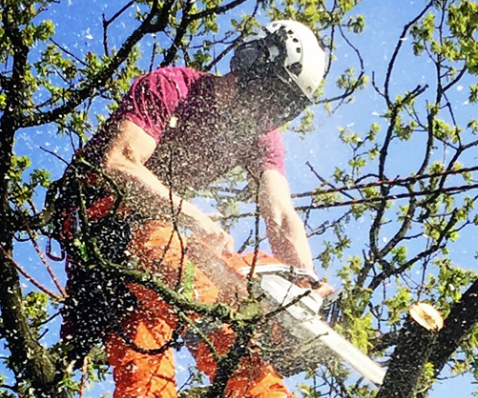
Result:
357,23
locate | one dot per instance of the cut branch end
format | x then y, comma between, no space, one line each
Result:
427,317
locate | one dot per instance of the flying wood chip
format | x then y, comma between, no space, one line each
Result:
427,317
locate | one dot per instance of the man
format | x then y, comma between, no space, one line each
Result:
178,130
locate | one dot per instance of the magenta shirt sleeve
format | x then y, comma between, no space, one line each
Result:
273,151
154,97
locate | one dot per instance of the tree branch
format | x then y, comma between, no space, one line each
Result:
99,80
216,10
180,32
28,356
394,181
397,50
30,278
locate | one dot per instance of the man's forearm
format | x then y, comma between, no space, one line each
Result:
285,229
149,196
144,193
289,242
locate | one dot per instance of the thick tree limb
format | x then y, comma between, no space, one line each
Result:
411,354
180,33
458,325
29,358
99,80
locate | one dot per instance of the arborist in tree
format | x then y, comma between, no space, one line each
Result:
178,130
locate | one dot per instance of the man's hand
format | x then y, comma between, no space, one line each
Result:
210,233
323,289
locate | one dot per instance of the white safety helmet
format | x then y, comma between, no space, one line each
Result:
283,46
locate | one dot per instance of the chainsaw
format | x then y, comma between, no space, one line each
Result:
297,337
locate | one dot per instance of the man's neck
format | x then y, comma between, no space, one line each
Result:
246,109
225,88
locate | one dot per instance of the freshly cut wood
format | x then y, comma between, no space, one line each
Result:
427,317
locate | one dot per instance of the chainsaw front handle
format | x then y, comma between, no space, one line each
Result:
289,272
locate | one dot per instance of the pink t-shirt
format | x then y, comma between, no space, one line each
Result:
199,145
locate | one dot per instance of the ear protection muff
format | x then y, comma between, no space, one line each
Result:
259,58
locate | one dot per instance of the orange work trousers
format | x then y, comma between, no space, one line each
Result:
151,324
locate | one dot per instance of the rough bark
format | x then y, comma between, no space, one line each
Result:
30,360
411,353
462,319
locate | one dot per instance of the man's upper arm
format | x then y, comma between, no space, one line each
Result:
131,144
273,153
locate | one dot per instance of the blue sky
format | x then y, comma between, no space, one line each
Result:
79,28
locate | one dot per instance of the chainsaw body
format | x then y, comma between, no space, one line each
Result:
296,338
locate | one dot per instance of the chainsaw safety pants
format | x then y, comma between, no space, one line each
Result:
142,360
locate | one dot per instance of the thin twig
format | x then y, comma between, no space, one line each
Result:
324,181
282,308
397,50
216,10
394,181
68,52
29,277
107,22
317,206
84,376
45,262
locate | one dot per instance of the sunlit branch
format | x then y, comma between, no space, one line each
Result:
395,109
180,32
216,10
282,308
407,222
79,60
324,181
430,140
395,181
449,190
327,225
450,168
456,80
317,206
377,280
45,262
